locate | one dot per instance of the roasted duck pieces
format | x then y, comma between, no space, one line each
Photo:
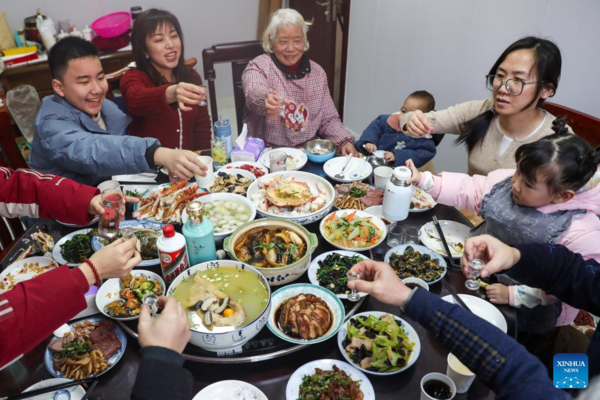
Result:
304,316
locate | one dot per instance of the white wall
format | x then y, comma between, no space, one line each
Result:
204,22
447,47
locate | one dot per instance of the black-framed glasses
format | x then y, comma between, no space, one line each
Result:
514,87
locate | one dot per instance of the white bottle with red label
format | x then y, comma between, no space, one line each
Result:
172,252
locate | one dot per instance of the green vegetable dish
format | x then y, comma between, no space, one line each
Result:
77,347
78,248
333,272
334,385
378,345
413,263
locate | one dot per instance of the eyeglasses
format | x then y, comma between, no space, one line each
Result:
514,87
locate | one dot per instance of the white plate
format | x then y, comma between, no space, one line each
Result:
432,203
234,171
357,170
109,292
378,212
298,155
312,181
230,390
149,191
361,214
423,250
97,240
92,222
144,177
408,329
77,392
16,270
314,268
238,164
482,309
286,292
453,231
293,386
56,254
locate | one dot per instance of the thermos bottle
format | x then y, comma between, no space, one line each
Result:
398,194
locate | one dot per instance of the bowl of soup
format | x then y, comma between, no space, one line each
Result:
280,249
226,302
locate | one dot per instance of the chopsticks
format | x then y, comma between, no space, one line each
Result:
49,389
89,391
451,265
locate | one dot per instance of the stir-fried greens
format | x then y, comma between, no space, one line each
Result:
379,345
334,384
413,263
75,348
333,272
351,231
78,248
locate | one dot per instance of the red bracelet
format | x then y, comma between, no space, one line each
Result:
94,270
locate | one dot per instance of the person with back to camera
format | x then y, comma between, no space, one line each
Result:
162,93
82,136
385,134
524,76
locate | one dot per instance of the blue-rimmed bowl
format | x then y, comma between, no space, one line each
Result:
334,303
319,150
242,334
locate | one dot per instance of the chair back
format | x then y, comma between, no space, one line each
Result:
239,55
584,125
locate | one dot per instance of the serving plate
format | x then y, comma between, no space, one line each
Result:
76,392
292,390
483,309
408,329
233,171
297,155
230,390
358,169
360,214
239,164
427,198
92,222
149,191
454,232
20,273
314,268
56,252
423,250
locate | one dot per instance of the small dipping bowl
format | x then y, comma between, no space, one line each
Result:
412,282
319,150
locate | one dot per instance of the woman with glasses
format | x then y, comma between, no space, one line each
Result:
523,77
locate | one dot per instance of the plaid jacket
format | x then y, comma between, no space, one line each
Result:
262,76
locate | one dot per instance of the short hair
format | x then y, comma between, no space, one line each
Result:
426,97
67,49
284,17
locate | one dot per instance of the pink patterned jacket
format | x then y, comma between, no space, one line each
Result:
262,76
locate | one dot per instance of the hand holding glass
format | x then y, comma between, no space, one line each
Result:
353,296
475,267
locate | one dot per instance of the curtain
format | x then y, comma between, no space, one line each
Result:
265,9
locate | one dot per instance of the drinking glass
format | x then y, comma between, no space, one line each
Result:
353,296
431,121
277,161
395,235
203,102
219,151
151,300
113,200
127,232
411,235
475,267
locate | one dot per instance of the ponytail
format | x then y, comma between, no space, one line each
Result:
559,125
475,130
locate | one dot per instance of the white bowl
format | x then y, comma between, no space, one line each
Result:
293,386
312,180
237,337
361,214
408,329
298,155
281,275
76,392
219,237
483,309
358,169
225,390
453,231
314,268
423,250
419,282
286,292
109,292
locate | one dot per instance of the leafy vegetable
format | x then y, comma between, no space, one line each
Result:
333,272
357,192
335,382
78,248
133,193
75,348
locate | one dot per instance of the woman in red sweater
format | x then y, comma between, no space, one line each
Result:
162,94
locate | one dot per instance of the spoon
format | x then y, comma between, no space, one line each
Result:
341,174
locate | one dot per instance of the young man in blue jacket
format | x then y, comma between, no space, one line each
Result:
384,133
82,136
497,359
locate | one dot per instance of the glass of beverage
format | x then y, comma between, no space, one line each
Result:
395,235
411,235
475,267
127,232
218,148
353,296
437,386
203,102
431,121
113,201
151,300
277,160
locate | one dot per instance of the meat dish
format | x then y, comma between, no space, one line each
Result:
166,203
304,316
270,247
286,196
330,385
357,195
230,183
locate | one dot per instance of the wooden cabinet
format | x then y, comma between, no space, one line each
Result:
38,75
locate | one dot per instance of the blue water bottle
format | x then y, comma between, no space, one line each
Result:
223,132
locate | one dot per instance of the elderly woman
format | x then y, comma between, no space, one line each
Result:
287,98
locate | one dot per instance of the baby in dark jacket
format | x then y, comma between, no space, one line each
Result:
384,134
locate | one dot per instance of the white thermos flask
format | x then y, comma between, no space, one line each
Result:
398,193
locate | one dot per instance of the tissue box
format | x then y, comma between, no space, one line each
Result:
251,151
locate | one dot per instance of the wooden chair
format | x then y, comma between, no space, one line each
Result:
239,55
585,126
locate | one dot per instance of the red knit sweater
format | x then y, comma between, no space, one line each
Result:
154,117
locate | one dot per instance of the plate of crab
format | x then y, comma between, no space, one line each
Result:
165,203
297,196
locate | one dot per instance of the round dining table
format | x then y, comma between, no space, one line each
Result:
268,372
